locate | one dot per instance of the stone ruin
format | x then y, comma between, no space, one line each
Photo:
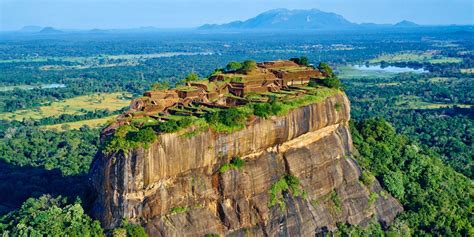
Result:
227,89
221,90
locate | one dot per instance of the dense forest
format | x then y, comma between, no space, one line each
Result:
424,158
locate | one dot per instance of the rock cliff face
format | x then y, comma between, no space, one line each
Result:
174,187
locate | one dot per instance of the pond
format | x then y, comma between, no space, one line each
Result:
391,69
30,87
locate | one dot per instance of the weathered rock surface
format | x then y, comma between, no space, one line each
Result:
312,143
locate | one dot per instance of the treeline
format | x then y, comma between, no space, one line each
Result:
437,200
69,151
50,216
448,131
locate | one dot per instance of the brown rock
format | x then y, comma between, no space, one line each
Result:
312,143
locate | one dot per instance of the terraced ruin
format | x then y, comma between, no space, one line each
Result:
275,81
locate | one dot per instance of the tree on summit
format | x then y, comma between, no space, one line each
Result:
325,69
303,61
248,65
233,66
191,77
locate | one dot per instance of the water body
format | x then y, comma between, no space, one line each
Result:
390,69
30,87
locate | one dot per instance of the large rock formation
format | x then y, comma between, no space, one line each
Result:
174,188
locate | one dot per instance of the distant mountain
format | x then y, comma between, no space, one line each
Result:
284,19
50,30
98,31
31,29
406,24
289,19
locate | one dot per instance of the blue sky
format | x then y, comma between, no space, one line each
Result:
105,14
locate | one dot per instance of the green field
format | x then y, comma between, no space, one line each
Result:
467,70
95,123
76,105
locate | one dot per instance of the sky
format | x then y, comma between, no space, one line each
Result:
119,14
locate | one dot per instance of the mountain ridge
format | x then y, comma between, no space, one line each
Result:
299,19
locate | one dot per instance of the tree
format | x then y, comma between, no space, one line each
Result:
303,61
145,135
127,229
191,77
325,69
233,66
160,86
332,82
48,216
248,65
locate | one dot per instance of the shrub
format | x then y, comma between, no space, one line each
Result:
185,122
128,137
337,201
263,110
286,183
160,86
233,66
266,110
191,77
232,117
325,69
313,82
131,230
367,178
145,136
211,235
373,197
248,65
118,141
228,120
168,126
177,210
236,79
301,60
332,82
235,163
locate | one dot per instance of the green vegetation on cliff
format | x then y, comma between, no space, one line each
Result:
286,184
128,137
128,229
235,163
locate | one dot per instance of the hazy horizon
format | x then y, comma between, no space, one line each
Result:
121,14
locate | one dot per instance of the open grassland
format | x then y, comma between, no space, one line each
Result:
94,123
441,79
76,105
421,57
467,70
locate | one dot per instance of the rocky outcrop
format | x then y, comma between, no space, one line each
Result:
174,187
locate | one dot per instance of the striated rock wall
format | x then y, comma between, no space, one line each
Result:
174,187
